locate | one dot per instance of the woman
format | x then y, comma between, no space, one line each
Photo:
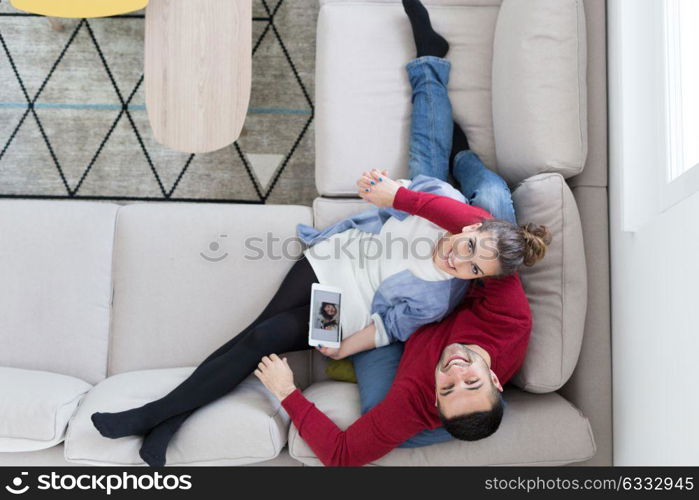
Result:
386,295
327,317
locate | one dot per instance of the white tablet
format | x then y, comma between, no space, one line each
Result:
326,307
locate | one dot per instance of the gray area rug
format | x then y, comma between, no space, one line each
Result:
73,122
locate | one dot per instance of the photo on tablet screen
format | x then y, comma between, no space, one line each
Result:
326,316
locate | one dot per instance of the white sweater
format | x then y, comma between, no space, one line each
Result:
358,262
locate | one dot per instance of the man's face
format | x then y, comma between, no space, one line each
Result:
463,382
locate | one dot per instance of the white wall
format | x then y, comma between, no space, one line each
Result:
655,268
655,332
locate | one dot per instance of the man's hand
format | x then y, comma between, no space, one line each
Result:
332,352
276,375
377,188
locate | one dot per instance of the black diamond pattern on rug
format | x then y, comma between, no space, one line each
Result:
73,122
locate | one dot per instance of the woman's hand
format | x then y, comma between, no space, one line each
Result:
363,340
332,352
377,188
276,375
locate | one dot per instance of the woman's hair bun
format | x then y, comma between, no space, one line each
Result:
536,240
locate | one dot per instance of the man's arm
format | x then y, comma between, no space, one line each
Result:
372,436
443,211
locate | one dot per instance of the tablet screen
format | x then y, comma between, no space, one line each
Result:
325,308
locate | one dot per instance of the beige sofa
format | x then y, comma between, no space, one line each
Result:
106,307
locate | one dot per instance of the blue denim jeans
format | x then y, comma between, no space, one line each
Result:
430,146
431,132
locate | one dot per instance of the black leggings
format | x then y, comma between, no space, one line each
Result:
282,327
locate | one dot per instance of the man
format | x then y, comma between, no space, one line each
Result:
451,374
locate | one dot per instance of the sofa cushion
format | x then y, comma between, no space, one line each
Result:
246,426
188,277
556,287
537,429
56,275
539,88
35,407
370,91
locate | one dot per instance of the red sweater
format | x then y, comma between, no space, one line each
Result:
495,316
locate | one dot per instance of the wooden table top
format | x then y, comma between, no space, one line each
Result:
198,71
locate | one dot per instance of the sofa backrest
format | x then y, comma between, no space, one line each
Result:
540,88
56,288
189,277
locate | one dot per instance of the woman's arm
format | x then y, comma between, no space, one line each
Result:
363,340
445,212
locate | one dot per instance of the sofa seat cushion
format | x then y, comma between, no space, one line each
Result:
246,426
537,429
556,287
35,407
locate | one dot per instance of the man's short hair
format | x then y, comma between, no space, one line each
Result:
476,425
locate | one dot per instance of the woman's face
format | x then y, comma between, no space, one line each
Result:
469,254
330,309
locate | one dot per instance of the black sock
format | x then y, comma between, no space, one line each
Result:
458,143
427,41
124,423
154,447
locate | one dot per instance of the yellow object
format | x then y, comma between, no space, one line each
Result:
341,370
79,8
